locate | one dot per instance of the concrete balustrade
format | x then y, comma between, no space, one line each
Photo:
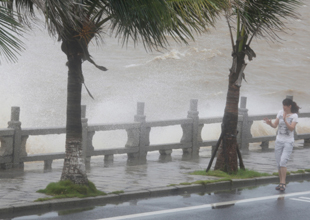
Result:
13,139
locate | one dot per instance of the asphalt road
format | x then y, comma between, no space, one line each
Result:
263,202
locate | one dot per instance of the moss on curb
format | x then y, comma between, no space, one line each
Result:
241,174
67,189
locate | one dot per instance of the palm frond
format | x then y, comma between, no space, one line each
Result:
10,28
151,21
62,17
23,8
264,18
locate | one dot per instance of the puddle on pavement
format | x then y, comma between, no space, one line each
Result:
54,214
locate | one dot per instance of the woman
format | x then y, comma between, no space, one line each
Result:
287,120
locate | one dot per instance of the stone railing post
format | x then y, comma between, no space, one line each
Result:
132,141
144,139
48,165
307,142
139,137
17,140
244,127
6,151
85,142
289,97
192,132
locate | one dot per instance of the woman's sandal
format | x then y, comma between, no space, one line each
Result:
278,186
282,187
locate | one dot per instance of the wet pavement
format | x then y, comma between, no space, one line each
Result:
255,203
19,187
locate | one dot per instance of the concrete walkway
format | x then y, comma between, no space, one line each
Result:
19,187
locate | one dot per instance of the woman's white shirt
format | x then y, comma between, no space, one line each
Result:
284,134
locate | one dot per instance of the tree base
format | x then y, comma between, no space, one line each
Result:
74,167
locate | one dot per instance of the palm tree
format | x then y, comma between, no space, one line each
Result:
251,18
144,20
77,22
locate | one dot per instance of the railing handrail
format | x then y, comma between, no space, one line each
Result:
114,126
128,125
6,131
43,131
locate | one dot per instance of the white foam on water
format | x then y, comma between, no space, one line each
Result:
132,65
173,54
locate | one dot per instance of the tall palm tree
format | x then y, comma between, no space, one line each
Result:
145,20
77,22
64,19
251,19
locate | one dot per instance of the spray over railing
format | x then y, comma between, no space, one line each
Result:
13,139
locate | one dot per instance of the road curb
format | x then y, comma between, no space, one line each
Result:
60,204
267,180
294,177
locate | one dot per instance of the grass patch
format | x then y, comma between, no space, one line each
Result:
277,174
67,189
185,184
241,174
298,171
307,170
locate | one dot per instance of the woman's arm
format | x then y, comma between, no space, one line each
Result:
269,122
291,126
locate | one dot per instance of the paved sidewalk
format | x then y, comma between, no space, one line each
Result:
18,187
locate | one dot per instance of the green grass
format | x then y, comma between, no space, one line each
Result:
289,173
184,184
277,174
241,174
67,189
298,171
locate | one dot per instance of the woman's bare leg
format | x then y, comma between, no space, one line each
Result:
283,175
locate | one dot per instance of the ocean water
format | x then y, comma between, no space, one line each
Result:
165,80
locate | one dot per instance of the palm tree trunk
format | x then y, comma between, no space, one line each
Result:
227,159
74,166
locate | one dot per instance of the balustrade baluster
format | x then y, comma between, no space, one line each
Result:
16,125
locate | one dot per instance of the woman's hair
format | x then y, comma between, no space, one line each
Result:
287,102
